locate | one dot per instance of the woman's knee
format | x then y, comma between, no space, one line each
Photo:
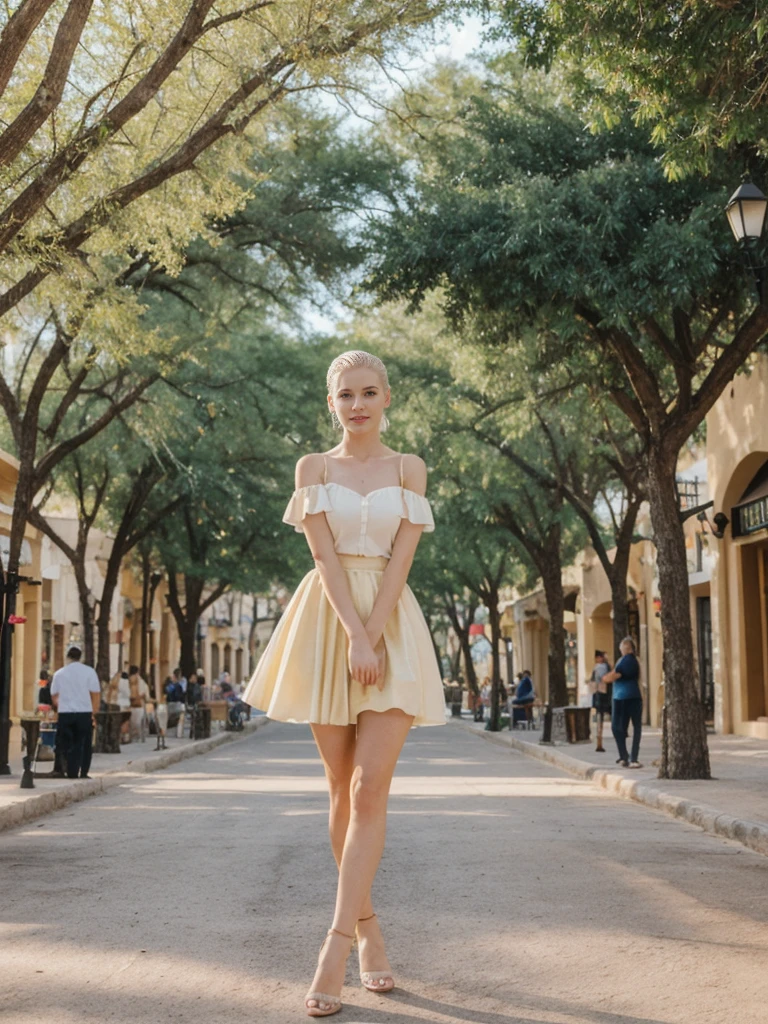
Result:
368,792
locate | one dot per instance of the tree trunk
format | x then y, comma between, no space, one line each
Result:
146,569
684,742
187,637
495,621
618,581
86,613
103,620
462,632
469,665
553,591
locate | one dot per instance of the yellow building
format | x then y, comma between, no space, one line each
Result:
737,463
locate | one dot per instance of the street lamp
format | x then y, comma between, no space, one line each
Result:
746,211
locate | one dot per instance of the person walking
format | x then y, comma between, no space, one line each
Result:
627,703
76,695
601,695
370,672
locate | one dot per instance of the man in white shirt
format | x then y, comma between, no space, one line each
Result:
76,695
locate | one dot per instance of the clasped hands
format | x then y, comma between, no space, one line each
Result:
367,657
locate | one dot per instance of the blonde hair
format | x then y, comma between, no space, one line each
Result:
353,360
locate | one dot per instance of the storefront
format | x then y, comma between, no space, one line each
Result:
737,453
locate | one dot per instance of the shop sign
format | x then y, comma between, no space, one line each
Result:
753,516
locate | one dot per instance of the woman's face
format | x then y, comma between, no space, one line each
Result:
359,400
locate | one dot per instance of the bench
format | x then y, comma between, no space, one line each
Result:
532,715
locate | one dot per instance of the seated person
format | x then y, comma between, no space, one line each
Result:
524,696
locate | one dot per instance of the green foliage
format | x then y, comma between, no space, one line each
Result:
691,72
574,247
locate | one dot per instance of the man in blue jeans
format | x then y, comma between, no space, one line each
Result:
627,703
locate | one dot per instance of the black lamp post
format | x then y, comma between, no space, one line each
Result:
746,211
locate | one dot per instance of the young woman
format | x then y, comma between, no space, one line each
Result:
352,654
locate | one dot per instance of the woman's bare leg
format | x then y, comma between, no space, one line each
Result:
380,738
336,744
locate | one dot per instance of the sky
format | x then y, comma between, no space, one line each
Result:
451,42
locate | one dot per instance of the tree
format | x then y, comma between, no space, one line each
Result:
565,441
535,227
97,349
691,71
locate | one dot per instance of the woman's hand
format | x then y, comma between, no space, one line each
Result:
363,661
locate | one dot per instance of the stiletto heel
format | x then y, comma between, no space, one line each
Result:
375,981
326,1005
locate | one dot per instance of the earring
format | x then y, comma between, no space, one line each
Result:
384,423
335,420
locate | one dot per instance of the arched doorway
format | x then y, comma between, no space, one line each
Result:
749,526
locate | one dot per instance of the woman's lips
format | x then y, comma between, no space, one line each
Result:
358,419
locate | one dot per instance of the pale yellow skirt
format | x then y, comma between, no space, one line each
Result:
303,674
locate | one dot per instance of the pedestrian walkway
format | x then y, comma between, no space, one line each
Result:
509,893
733,803
18,805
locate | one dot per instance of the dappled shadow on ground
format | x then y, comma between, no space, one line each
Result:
509,894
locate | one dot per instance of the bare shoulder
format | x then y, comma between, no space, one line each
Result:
310,470
414,473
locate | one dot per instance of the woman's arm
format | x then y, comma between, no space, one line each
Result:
613,676
403,551
363,663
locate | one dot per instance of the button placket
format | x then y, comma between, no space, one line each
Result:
363,525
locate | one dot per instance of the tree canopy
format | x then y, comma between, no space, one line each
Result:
691,72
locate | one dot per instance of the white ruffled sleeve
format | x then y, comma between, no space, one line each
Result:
417,509
306,501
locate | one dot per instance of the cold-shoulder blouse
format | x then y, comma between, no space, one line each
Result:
361,524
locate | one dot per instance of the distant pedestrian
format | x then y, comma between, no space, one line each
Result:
205,689
601,694
76,695
44,688
627,703
139,695
194,690
181,681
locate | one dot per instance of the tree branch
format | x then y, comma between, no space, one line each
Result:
48,94
53,457
17,33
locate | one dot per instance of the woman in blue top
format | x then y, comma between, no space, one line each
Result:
627,703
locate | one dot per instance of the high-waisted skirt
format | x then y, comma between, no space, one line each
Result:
303,674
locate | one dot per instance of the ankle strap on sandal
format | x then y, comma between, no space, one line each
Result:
369,918
335,931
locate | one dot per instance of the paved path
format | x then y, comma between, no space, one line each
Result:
510,892
739,785
19,805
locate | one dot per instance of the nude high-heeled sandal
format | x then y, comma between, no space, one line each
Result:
375,981
326,1005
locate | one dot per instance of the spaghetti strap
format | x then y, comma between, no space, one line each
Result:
325,469
401,470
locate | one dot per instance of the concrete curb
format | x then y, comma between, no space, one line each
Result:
44,803
752,834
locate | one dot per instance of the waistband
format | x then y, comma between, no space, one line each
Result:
373,563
